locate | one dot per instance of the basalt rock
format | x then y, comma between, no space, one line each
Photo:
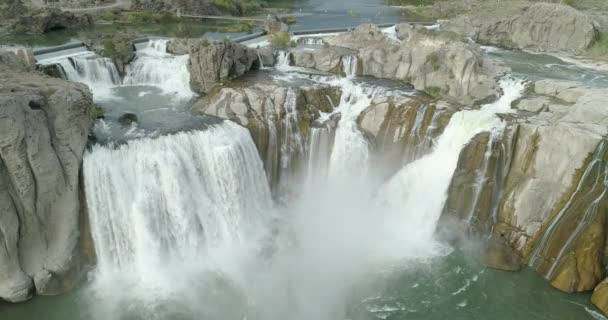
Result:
540,185
543,27
117,46
280,119
437,62
402,129
213,62
44,125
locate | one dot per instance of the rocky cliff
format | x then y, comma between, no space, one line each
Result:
280,119
44,125
538,189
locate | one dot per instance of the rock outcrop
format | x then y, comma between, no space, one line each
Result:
540,186
402,129
280,119
43,21
213,62
439,63
274,24
117,46
542,27
44,125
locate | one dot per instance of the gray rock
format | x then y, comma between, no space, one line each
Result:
213,62
44,125
403,31
437,62
542,27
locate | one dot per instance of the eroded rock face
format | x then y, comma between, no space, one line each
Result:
213,62
402,129
44,125
280,119
600,296
543,186
436,62
117,46
543,27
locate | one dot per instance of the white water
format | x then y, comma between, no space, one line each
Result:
164,209
155,67
98,73
154,202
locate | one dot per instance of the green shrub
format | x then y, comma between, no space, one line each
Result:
280,40
433,92
570,2
206,43
109,49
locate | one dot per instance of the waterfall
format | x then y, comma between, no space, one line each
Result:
283,60
98,73
292,142
173,198
422,185
153,66
349,66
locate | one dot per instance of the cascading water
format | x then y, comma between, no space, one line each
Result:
174,198
155,67
98,73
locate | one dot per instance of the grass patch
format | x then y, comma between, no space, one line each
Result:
238,27
282,40
600,47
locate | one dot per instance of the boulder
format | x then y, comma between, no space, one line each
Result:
44,125
325,59
542,27
117,46
437,62
213,62
600,296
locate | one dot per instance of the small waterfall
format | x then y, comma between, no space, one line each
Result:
320,143
283,60
153,66
98,73
349,66
173,198
580,210
292,142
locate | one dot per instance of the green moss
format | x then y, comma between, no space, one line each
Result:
433,60
570,2
206,43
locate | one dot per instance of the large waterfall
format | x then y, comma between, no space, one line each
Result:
185,224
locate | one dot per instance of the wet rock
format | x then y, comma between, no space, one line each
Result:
213,62
54,70
600,296
127,119
403,31
498,254
547,195
437,62
279,118
266,55
543,27
402,129
44,125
